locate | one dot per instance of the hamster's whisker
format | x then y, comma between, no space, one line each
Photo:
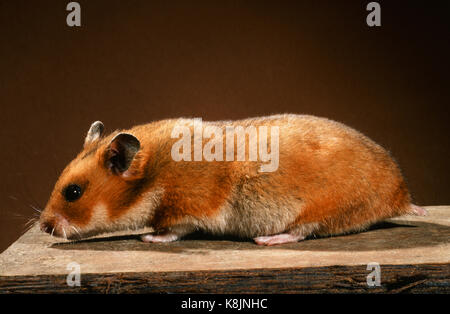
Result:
53,230
13,197
31,221
17,215
76,230
64,231
35,208
29,225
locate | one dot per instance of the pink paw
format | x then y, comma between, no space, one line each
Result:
418,211
159,238
278,239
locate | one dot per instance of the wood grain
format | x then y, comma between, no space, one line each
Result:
413,253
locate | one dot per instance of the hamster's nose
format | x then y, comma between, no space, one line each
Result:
47,226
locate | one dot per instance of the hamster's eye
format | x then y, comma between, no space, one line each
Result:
72,192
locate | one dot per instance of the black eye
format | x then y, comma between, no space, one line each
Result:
72,192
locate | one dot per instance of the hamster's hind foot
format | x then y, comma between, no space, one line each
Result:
159,238
417,210
278,239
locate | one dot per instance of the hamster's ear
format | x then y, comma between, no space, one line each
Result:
121,152
95,132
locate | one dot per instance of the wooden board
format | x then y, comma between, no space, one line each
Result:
413,254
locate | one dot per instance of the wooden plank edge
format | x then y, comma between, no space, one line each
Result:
421,278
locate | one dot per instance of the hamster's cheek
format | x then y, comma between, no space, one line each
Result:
99,218
77,213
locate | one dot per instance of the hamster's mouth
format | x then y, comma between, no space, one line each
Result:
65,232
59,227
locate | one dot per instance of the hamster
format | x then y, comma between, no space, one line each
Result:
328,179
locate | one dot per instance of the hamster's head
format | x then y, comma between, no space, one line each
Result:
96,190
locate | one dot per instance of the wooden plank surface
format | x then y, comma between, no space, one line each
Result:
413,252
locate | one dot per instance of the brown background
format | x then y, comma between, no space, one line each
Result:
137,61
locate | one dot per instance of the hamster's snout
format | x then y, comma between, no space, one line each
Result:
56,225
47,226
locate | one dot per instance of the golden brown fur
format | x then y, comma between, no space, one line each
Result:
331,180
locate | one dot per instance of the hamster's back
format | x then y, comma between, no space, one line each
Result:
331,179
